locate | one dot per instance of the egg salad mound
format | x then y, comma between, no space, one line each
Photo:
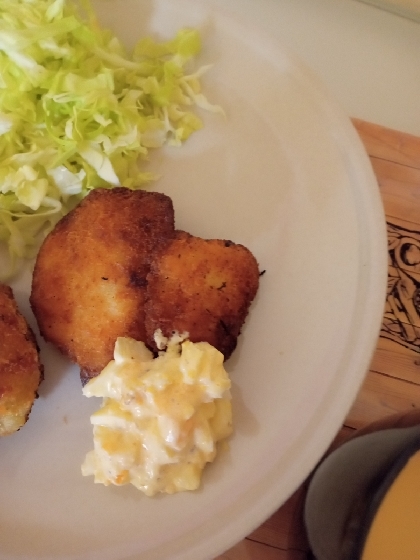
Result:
161,418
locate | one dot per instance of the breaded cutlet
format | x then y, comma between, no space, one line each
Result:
89,281
21,371
203,287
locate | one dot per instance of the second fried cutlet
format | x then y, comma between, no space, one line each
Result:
89,281
21,371
203,287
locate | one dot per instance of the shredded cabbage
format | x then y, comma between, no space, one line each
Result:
77,113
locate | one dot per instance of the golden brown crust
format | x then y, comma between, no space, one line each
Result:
89,281
203,287
21,371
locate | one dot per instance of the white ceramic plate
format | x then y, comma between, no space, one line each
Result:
286,175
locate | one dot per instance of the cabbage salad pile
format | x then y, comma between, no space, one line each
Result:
77,112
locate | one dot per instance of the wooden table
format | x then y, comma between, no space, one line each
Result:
392,383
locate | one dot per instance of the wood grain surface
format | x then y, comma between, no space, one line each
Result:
392,384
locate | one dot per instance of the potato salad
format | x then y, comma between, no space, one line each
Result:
161,418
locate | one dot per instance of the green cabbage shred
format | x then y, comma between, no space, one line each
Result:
77,112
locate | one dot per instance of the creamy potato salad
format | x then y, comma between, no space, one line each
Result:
161,418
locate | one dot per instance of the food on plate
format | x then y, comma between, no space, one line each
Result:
21,371
89,280
203,287
161,418
78,112
116,267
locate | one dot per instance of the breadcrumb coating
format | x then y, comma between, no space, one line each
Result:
21,371
89,281
201,286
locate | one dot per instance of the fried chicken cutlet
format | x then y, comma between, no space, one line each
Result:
89,281
203,287
21,371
